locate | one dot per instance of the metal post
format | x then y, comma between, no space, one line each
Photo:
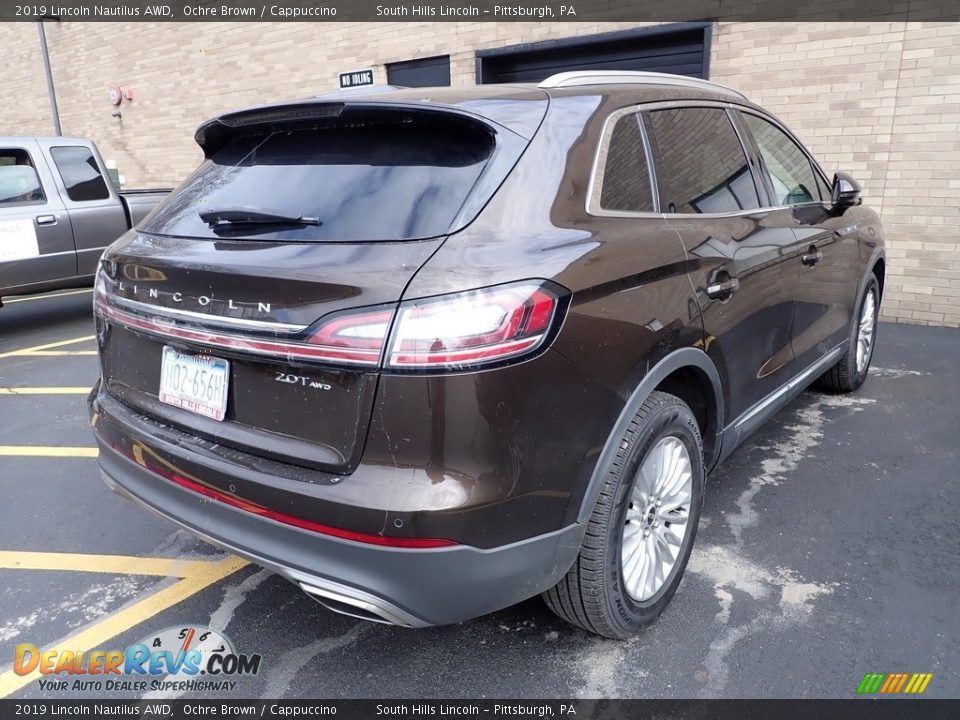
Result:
46,69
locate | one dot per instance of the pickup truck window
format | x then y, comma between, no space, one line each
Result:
19,183
80,173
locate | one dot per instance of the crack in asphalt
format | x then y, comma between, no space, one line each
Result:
293,661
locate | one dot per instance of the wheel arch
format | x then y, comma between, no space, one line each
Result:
879,268
688,373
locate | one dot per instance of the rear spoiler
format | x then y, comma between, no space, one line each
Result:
214,134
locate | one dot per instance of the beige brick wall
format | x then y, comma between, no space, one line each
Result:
880,100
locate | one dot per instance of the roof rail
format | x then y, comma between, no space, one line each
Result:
577,78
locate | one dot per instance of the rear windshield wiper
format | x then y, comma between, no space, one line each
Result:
254,216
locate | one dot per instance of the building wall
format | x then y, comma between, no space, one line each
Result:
880,100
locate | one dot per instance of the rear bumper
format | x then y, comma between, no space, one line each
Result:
410,587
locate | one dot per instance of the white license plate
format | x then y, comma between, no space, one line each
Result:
194,382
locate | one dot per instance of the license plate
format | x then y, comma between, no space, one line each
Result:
194,382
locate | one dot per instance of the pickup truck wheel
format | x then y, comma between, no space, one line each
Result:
642,528
851,370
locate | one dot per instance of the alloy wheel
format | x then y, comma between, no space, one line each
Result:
657,518
865,331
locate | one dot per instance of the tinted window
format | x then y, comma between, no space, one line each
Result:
626,177
80,173
364,180
18,178
786,164
701,166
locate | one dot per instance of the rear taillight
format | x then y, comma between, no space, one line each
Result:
446,333
474,328
355,337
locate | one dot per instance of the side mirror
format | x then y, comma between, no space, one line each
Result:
846,191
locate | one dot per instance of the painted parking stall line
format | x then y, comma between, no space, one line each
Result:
194,577
176,579
44,390
48,296
38,451
40,350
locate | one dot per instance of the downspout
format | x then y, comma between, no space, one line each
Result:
46,69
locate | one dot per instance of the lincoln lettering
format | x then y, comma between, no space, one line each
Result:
202,301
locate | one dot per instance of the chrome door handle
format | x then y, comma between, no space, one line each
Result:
723,290
812,257
46,219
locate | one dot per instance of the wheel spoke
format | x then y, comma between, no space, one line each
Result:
672,539
666,551
678,520
640,573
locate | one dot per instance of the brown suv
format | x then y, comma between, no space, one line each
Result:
428,353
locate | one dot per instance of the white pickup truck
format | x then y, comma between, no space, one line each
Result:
58,211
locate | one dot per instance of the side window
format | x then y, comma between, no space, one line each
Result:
626,175
80,173
786,164
701,165
19,182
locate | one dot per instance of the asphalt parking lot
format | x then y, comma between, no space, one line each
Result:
829,548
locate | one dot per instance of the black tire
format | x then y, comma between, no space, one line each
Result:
592,595
845,377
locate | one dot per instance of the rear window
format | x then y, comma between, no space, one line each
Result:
363,180
80,173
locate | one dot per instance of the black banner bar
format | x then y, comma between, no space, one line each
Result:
476,10
854,709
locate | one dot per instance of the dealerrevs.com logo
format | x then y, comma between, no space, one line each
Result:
185,659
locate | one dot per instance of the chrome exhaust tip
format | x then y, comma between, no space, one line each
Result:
362,609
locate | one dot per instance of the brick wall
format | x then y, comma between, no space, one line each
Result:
880,100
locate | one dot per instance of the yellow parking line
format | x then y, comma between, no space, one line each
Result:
37,451
110,564
204,575
44,390
44,297
39,348
55,353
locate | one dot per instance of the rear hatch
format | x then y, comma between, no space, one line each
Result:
245,309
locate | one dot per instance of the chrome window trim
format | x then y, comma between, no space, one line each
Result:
595,183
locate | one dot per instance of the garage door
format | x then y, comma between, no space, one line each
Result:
682,49
424,72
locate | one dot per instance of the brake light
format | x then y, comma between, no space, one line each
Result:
472,328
